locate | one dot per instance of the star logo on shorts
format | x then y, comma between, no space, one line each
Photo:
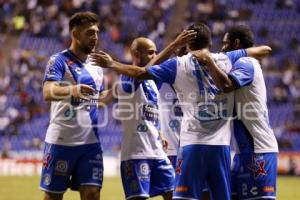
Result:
258,167
46,161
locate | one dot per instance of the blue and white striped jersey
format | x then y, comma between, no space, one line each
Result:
251,130
73,121
206,111
138,113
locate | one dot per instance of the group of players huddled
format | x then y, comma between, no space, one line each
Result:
182,112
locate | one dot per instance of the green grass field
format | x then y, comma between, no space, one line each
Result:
26,188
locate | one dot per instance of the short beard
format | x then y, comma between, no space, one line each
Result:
85,49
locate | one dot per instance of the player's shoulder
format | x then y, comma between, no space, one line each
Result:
220,57
248,62
59,56
57,60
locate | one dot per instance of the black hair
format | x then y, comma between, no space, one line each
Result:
243,33
82,18
203,38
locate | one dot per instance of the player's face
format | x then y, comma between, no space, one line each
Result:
88,38
147,54
226,45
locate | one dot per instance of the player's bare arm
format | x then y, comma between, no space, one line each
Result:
259,51
184,38
223,82
221,79
55,91
104,60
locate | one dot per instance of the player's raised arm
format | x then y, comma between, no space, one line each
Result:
104,60
184,38
259,51
221,79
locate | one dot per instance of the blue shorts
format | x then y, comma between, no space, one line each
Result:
173,160
146,177
199,166
66,166
254,175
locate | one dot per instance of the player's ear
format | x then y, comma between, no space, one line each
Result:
75,33
237,43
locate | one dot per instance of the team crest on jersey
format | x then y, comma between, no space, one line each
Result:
258,166
61,167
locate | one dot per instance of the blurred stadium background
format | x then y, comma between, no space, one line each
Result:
31,30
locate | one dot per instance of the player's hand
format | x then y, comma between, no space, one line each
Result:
82,91
202,56
101,59
164,142
184,38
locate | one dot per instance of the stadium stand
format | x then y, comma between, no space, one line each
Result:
42,30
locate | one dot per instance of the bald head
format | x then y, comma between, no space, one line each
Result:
142,51
141,43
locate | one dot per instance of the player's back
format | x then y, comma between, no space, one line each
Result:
206,110
251,108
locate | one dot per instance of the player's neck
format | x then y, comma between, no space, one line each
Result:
79,54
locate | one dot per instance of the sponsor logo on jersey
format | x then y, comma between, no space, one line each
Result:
78,70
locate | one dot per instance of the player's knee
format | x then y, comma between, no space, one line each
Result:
89,193
52,196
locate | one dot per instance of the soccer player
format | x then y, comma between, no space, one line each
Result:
255,164
73,154
145,168
205,132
